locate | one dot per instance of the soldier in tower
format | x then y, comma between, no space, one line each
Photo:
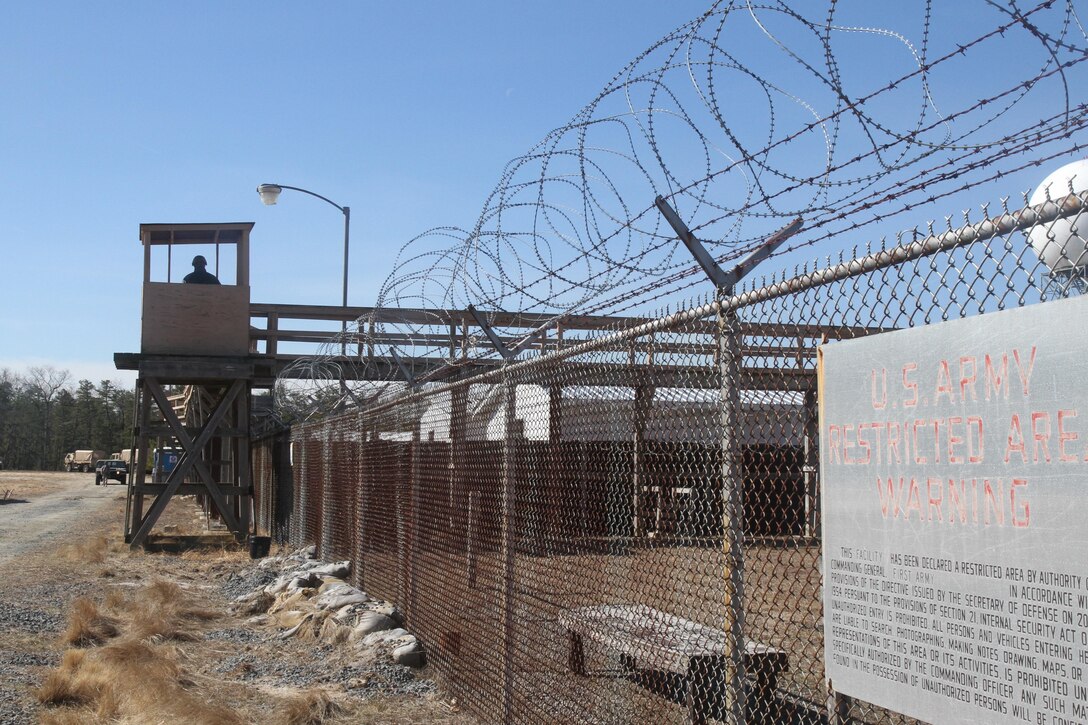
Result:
200,275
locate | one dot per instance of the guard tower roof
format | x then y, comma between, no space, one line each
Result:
222,233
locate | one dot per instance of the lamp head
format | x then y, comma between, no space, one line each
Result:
269,193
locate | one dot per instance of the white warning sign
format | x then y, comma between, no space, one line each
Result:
954,474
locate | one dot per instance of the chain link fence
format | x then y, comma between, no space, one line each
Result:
628,530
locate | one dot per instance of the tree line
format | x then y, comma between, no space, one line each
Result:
44,415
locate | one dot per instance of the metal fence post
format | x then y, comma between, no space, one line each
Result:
810,428
509,479
328,492
644,398
411,523
733,516
302,485
359,490
455,482
838,707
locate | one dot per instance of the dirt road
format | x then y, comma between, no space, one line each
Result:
40,507
45,520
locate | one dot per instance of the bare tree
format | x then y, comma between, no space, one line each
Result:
44,383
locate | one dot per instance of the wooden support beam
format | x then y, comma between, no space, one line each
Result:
661,375
436,317
271,348
135,503
242,469
187,369
452,340
191,489
193,430
441,319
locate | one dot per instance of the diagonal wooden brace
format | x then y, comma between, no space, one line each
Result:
191,449
190,459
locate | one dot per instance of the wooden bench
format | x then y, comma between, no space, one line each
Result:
650,639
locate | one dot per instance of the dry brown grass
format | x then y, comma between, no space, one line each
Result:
63,687
135,676
115,598
127,681
93,551
88,626
213,551
158,611
312,707
162,612
80,716
31,484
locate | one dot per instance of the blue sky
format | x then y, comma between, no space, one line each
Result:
120,113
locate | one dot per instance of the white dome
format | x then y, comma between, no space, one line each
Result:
1061,244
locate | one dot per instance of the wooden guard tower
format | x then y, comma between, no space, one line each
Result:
194,339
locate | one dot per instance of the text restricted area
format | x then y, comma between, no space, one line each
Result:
954,468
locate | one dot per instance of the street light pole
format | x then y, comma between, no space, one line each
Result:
347,233
269,195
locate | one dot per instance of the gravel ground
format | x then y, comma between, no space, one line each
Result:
26,659
392,679
14,708
293,671
236,584
28,619
239,635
